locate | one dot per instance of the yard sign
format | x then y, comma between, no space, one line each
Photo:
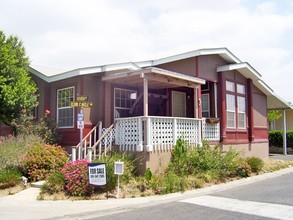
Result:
97,174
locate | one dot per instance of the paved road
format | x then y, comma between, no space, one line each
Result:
267,199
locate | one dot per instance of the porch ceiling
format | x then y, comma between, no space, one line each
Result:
157,78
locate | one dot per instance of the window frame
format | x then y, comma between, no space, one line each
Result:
67,107
238,90
208,110
122,108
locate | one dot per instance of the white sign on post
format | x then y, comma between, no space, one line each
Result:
97,174
80,117
80,124
80,121
119,168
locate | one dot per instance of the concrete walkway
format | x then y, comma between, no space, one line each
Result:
24,205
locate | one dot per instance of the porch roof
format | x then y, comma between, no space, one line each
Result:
157,78
274,102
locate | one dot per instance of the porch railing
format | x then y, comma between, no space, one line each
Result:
161,133
156,133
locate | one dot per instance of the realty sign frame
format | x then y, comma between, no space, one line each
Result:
97,174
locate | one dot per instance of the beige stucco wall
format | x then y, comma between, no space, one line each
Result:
253,149
157,161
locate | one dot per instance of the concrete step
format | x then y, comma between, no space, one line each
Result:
38,184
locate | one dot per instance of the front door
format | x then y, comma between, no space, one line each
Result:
178,104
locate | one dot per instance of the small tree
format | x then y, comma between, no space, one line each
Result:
17,89
274,115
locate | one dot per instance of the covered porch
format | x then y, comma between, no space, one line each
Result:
138,129
149,130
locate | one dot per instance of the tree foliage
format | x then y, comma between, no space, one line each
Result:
17,89
274,115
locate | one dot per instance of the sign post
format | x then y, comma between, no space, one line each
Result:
81,102
118,169
80,126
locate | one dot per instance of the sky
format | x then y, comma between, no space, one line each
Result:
69,34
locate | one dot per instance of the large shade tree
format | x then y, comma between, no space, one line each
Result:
17,89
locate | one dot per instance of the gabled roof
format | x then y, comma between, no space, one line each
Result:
274,102
56,75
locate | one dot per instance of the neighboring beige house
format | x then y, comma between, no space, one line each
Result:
284,123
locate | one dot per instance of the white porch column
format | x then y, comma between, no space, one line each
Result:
195,103
149,146
216,100
284,134
73,153
145,97
174,131
139,147
89,154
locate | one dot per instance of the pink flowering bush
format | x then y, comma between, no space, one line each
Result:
45,128
76,178
41,160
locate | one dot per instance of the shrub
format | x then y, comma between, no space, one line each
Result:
42,159
244,170
9,177
289,138
54,184
255,163
13,148
171,182
212,159
276,138
45,128
148,174
76,178
179,157
111,178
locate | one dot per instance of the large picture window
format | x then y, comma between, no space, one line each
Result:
124,100
65,113
236,107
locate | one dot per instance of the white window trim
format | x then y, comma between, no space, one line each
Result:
233,111
241,112
115,89
57,115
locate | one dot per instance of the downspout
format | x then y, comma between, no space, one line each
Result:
216,99
284,133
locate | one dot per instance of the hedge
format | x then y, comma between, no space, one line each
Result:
276,138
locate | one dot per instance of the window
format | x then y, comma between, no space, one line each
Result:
230,111
65,113
230,86
236,107
241,112
205,105
123,102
